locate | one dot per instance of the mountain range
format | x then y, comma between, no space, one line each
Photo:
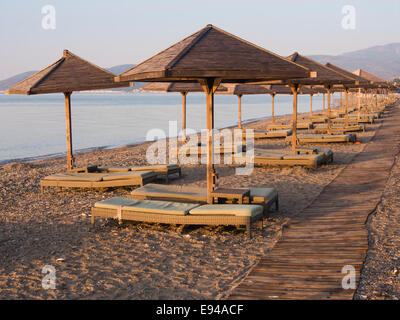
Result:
384,61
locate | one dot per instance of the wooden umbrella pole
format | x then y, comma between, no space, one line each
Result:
183,117
376,97
240,111
341,99
365,97
359,104
323,99
70,157
346,101
294,88
311,105
209,86
328,91
273,107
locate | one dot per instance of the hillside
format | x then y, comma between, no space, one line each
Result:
384,61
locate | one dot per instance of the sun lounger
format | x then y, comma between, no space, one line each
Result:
197,151
164,170
327,154
155,211
374,115
98,180
279,158
325,138
319,119
353,120
285,126
273,134
336,129
267,197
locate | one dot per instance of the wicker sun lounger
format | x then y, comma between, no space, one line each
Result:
267,197
319,119
273,134
198,151
98,180
278,158
285,126
337,129
326,138
155,211
164,170
353,120
375,115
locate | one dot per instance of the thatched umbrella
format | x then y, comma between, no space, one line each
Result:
212,56
70,73
183,88
360,83
325,76
378,81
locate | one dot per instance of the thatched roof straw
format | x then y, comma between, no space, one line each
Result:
325,75
177,87
362,82
214,53
369,76
244,89
68,74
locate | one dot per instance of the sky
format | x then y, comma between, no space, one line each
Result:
110,33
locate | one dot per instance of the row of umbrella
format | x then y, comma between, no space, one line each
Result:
201,62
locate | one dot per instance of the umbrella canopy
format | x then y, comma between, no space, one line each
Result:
212,56
361,83
214,53
175,87
325,76
371,77
68,74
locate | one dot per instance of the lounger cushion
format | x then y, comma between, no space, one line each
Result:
239,210
115,202
127,175
161,207
70,176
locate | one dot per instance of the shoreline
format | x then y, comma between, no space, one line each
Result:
111,147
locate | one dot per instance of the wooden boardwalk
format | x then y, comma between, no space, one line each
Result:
307,262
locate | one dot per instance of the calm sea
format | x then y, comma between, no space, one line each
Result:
32,127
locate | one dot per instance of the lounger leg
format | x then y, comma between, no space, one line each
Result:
92,219
261,225
248,229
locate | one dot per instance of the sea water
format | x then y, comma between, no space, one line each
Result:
33,127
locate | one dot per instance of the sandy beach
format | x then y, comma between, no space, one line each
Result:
147,261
